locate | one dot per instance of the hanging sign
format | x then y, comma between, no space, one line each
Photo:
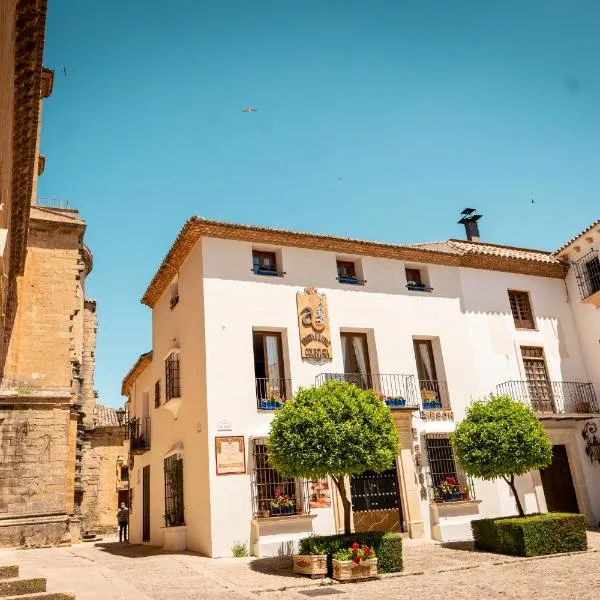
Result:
313,323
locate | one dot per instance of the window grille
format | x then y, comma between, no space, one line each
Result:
172,376
270,489
443,472
587,273
264,263
124,473
173,470
520,306
157,394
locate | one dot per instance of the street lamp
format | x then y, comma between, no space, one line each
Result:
120,415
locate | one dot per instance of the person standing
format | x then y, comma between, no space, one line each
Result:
123,518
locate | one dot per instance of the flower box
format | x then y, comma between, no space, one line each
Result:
279,511
314,565
432,405
269,404
348,570
397,402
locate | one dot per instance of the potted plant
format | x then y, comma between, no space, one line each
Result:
448,490
356,562
395,401
281,504
273,400
311,559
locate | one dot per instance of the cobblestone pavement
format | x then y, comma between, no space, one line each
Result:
112,571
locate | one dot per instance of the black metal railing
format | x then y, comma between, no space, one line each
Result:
434,394
552,396
272,392
396,390
138,433
274,495
587,274
446,482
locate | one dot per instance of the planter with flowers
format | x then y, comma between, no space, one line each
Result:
354,563
449,490
281,505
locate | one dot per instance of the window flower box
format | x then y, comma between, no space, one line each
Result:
432,405
282,505
281,511
314,565
395,401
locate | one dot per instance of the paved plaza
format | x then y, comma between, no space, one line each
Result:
109,570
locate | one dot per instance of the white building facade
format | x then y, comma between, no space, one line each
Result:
428,327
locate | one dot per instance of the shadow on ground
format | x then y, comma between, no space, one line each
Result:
136,550
465,546
278,565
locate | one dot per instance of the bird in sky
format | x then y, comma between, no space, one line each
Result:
532,201
249,109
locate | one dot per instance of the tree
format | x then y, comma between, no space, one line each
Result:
501,438
336,429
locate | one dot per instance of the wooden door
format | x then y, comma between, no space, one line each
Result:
558,483
146,504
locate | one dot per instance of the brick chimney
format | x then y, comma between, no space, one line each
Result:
469,220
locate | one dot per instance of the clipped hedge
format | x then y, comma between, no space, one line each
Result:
387,546
532,535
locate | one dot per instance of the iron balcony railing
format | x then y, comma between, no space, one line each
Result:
587,274
552,396
272,392
138,433
434,394
396,390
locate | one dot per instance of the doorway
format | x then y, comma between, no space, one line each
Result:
558,483
146,504
376,501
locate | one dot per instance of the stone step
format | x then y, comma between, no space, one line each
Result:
19,587
9,571
43,596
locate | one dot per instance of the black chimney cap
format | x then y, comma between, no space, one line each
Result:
468,211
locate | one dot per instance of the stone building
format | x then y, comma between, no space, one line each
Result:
48,413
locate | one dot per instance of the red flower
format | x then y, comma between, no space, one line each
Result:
366,550
356,559
355,546
277,492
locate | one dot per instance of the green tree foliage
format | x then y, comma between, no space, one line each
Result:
501,438
336,429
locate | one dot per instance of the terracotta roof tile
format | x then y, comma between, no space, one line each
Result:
505,251
594,224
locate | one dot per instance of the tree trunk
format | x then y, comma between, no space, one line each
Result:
341,486
511,485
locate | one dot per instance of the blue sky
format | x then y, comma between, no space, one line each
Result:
379,120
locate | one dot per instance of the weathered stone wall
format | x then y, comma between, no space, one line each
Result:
88,361
34,466
47,337
101,477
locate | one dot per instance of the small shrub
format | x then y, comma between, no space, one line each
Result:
532,535
239,550
387,547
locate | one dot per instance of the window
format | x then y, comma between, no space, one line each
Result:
264,263
592,268
536,374
355,352
124,473
446,482
433,391
270,490
271,386
415,280
173,469
521,309
587,273
157,394
346,271
172,376
174,294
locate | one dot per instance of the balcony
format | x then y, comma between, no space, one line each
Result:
397,391
138,433
552,396
271,392
587,275
434,394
